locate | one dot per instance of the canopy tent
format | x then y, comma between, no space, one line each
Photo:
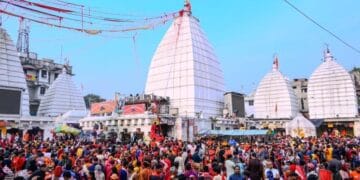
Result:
300,127
234,132
72,116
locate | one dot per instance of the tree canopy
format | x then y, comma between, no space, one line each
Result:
92,98
356,69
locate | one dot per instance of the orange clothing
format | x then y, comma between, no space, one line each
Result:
212,154
328,153
73,160
145,174
227,152
48,161
26,137
153,144
355,175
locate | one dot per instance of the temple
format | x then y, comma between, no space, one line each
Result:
274,97
185,68
331,91
63,99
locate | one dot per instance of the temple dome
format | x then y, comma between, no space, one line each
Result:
185,68
274,97
62,96
331,91
12,75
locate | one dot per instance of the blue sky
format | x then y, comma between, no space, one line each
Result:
245,34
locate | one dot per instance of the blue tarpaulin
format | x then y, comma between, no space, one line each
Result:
234,132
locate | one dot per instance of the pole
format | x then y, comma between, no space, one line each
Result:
187,130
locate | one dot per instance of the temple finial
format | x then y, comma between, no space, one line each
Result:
276,63
327,54
327,47
187,6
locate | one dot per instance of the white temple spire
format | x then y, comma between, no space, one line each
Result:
331,91
12,74
194,82
62,96
274,97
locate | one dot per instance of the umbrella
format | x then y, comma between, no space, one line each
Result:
67,130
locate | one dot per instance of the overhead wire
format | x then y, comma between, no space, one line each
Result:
93,9
95,20
323,27
30,9
7,17
141,25
82,15
56,9
90,31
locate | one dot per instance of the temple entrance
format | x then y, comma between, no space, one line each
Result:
165,129
112,136
14,134
125,137
35,133
138,134
337,128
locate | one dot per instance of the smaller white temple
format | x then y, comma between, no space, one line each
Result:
63,100
274,98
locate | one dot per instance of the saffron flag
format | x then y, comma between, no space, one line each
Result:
300,171
324,174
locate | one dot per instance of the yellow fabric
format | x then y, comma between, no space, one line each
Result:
79,152
328,153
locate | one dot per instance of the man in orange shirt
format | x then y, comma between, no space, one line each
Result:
356,173
146,171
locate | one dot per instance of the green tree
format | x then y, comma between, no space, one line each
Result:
355,69
92,98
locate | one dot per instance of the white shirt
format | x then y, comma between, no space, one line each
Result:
217,177
229,164
180,160
184,155
191,148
